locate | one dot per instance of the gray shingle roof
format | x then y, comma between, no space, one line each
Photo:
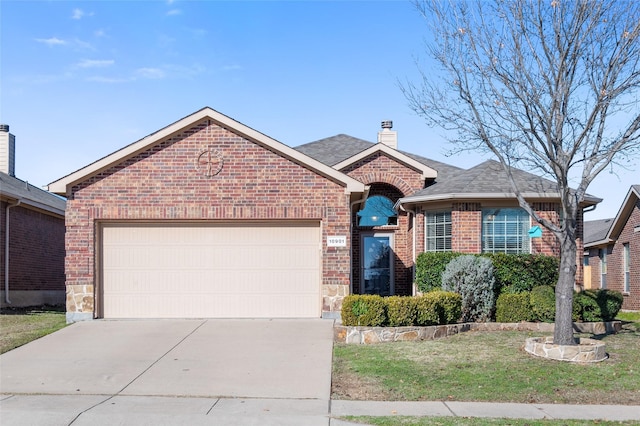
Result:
488,178
334,149
15,188
596,230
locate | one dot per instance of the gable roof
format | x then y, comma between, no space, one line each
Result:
619,222
12,188
596,230
488,180
427,172
64,184
342,148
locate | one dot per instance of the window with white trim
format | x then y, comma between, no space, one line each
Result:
505,230
627,267
602,254
437,231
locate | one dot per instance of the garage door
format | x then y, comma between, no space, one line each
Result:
268,270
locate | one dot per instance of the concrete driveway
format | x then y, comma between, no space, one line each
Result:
92,372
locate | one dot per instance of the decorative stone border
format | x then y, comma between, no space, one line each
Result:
370,335
587,350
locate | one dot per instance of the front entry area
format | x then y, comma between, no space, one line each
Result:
210,270
377,264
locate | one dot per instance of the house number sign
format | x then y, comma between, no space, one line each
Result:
209,162
337,241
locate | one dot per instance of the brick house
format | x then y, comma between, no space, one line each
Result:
612,251
31,236
210,218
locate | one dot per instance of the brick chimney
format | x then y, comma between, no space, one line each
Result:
387,136
7,151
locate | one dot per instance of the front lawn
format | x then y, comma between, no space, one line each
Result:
465,421
21,325
486,366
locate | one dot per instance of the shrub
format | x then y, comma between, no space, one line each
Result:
586,307
517,273
364,309
610,302
428,309
451,304
472,277
597,305
401,310
543,303
513,307
438,307
429,269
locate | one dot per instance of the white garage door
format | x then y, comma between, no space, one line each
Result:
269,270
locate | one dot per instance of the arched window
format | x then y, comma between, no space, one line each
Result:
377,211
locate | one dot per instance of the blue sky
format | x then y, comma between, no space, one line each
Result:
80,80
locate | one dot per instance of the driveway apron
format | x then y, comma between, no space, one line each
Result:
251,358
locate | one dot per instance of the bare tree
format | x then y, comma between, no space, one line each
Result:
550,86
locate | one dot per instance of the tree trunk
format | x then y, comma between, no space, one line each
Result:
563,332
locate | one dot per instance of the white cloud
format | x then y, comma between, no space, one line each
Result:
231,67
99,33
109,80
52,41
150,73
173,12
95,63
79,14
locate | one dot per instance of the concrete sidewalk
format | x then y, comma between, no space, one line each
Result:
209,372
99,410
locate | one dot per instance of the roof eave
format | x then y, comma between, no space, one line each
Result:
63,186
623,214
427,172
488,196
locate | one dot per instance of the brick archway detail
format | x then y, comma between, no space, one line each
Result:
388,178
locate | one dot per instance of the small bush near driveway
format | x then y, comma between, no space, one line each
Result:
22,325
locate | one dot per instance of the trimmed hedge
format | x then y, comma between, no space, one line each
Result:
401,311
429,269
513,307
588,306
517,273
434,308
514,273
543,303
364,309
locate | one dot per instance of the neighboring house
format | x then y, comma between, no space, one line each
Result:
612,251
31,236
210,218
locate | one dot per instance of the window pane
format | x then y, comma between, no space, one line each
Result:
505,231
438,231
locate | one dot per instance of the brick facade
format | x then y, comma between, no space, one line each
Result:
389,178
36,256
162,183
615,277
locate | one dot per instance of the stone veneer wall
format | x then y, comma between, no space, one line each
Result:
162,183
371,335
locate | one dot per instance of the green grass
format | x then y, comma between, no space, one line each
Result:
464,421
21,326
486,366
629,316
